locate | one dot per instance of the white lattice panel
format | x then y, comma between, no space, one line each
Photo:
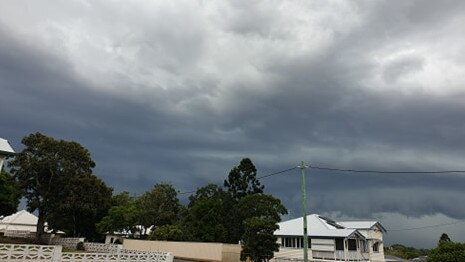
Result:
67,242
116,257
102,248
15,253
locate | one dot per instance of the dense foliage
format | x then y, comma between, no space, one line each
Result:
402,251
56,178
158,207
9,194
447,251
261,214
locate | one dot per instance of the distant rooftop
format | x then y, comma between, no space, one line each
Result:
5,148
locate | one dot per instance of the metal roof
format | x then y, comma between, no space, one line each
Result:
317,226
362,224
5,148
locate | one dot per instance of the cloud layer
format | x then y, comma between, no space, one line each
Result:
180,91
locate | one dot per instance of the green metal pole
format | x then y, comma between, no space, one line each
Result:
304,209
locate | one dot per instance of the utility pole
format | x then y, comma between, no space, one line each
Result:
304,209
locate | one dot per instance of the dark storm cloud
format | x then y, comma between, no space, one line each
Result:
162,93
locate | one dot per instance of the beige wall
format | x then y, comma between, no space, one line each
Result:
188,250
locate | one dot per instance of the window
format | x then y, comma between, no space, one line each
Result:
339,244
352,244
376,247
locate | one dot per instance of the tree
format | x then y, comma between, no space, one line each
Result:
44,168
159,207
444,238
85,201
168,233
242,180
119,218
258,242
205,220
9,194
447,251
261,214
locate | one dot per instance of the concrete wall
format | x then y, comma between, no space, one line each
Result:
189,250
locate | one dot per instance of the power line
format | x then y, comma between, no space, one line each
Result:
430,226
265,176
386,172
277,173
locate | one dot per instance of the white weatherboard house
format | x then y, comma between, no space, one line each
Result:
330,240
5,151
20,224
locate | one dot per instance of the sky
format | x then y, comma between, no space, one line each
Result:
180,91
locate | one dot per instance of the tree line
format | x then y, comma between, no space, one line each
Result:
55,177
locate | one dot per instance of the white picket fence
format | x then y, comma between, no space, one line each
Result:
38,253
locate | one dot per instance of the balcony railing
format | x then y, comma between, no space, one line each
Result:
340,255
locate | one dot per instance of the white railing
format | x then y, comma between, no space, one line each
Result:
102,248
37,253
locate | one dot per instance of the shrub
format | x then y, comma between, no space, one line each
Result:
80,246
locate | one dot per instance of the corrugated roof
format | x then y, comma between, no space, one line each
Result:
317,226
361,224
5,147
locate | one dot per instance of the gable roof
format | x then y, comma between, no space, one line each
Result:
21,220
362,225
318,226
5,148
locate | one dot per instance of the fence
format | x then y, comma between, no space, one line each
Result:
102,248
117,257
39,253
19,253
67,242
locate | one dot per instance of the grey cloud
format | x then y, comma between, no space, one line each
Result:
184,95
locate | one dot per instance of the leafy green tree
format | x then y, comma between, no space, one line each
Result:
168,233
9,194
262,206
444,238
242,180
44,168
119,218
85,201
159,207
447,251
206,214
258,242
261,214
122,215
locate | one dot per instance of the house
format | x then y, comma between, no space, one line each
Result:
19,224
5,151
329,240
